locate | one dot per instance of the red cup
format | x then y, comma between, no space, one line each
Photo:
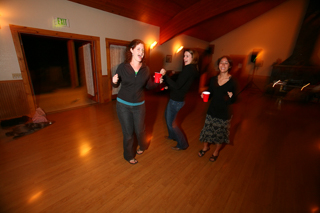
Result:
157,76
205,96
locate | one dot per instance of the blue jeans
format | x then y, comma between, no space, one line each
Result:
132,121
174,131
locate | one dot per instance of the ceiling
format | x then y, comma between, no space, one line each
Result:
202,19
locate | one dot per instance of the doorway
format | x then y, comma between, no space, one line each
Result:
64,84
57,82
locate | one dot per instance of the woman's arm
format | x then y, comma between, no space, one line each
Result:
232,92
116,79
150,83
183,77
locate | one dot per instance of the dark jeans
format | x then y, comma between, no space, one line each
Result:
132,121
174,131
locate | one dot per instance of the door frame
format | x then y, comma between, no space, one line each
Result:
17,30
108,43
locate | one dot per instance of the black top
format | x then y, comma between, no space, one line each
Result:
179,88
132,85
220,101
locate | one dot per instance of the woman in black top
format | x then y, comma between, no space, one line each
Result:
134,76
217,124
178,90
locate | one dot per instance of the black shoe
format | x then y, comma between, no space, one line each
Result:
213,158
202,152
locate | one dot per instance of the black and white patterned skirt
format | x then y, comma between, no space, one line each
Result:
215,130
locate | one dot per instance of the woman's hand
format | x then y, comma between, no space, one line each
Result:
163,71
230,94
115,79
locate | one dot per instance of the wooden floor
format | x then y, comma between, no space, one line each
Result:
76,164
63,99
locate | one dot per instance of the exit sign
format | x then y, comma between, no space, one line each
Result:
60,22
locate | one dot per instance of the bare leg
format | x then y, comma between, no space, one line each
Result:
215,154
216,151
205,146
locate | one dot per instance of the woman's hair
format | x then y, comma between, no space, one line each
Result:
132,45
229,60
194,54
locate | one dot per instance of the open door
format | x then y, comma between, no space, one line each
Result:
87,71
116,50
117,56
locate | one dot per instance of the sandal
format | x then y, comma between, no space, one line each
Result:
140,152
213,158
133,161
202,152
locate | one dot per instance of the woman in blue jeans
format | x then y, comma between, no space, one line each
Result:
178,90
134,76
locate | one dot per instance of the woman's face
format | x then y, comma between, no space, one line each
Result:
187,58
224,65
137,53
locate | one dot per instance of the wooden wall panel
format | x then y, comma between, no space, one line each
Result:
13,100
106,88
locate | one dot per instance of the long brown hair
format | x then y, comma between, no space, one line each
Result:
133,45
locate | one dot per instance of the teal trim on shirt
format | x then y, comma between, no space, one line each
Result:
129,103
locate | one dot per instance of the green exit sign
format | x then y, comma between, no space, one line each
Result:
60,22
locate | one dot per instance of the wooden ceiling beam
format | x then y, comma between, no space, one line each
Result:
215,27
196,14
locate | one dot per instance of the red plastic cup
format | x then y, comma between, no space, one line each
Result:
205,96
157,76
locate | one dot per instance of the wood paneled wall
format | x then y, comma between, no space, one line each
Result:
106,87
13,100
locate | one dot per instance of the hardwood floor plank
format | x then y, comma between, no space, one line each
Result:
77,164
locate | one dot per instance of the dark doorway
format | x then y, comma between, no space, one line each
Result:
48,64
50,74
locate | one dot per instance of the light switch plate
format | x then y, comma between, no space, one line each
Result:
16,76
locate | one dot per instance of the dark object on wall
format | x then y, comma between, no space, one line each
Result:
14,121
28,128
168,58
253,57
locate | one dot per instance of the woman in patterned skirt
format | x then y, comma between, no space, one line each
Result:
217,124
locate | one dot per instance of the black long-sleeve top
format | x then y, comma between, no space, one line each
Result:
220,101
132,85
178,89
